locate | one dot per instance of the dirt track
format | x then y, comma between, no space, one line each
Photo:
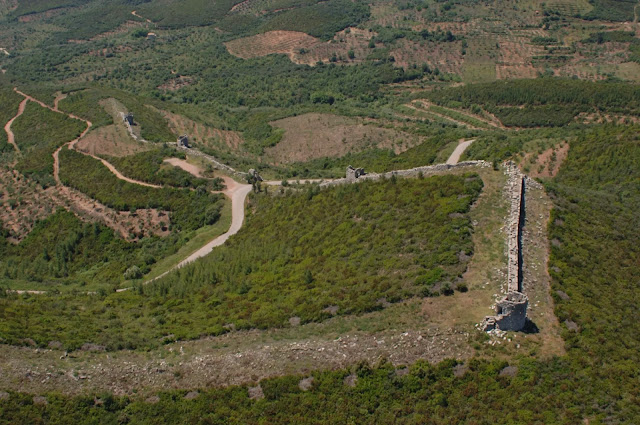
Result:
237,192
7,128
455,155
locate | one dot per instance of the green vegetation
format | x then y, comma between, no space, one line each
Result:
547,102
612,10
85,104
62,249
39,132
322,19
596,197
190,210
150,167
271,279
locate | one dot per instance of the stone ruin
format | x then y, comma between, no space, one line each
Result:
128,118
511,311
183,141
253,176
354,173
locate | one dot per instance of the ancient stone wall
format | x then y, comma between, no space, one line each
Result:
516,187
412,172
511,311
216,163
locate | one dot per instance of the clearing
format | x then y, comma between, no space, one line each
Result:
315,135
203,134
302,48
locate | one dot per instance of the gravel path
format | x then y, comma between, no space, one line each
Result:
455,155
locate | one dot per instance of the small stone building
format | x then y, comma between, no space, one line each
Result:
151,36
128,118
183,141
254,176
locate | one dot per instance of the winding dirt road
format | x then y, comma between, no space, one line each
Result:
235,191
7,128
71,144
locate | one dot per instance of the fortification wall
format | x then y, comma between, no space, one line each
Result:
412,172
511,311
516,187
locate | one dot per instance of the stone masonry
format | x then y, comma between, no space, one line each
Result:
412,172
354,173
511,311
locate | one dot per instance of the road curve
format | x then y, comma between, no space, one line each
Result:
238,194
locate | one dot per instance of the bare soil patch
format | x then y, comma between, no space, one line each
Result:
200,133
40,16
287,42
111,140
177,83
129,225
122,29
314,135
23,203
303,48
186,166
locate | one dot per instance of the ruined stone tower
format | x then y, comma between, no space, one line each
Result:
183,141
354,173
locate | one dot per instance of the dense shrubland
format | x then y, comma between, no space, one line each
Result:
394,239
62,249
547,102
593,261
150,167
39,132
190,210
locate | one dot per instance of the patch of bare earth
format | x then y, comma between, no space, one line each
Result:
40,16
186,166
200,133
129,225
314,135
303,48
235,358
447,57
286,42
122,29
110,141
176,83
23,203
599,118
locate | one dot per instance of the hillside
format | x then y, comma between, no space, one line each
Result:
300,211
